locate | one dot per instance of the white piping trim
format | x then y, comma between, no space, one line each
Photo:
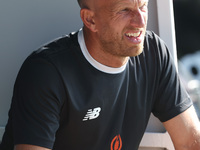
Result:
95,63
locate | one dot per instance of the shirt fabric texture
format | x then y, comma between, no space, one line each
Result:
58,90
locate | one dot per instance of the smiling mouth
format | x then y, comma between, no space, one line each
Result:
135,35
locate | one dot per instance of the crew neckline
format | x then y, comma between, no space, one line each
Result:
93,62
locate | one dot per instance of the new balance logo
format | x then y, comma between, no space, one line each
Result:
92,114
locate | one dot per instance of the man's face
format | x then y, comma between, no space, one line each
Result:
121,26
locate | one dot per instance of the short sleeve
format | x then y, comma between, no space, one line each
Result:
171,98
37,101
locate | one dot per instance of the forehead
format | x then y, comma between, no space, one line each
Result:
113,5
129,2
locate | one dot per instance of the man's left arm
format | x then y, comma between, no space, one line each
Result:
184,130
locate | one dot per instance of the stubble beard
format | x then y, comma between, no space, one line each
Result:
120,48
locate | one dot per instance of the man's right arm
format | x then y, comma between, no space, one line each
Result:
29,147
37,101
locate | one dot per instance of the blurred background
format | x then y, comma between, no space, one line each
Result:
187,28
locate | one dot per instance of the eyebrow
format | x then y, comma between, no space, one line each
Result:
120,3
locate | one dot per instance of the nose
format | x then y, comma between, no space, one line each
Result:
138,19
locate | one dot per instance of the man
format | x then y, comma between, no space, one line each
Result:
95,89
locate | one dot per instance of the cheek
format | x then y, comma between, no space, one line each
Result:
112,27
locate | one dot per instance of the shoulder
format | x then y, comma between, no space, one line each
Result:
57,53
155,45
49,60
151,36
57,47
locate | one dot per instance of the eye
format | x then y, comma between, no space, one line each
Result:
125,10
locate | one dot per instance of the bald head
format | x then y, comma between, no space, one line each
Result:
88,4
82,3
79,2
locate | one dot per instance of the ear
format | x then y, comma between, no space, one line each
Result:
87,17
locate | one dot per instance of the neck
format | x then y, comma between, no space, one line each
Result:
100,55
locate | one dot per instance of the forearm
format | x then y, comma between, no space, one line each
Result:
184,130
29,147
192,144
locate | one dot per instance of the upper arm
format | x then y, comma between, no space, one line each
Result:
184,130
37,101
29,147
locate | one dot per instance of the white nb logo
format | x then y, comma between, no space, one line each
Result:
92,114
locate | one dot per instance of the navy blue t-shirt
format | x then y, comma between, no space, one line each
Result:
62,102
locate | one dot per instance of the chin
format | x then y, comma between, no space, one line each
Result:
136,51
